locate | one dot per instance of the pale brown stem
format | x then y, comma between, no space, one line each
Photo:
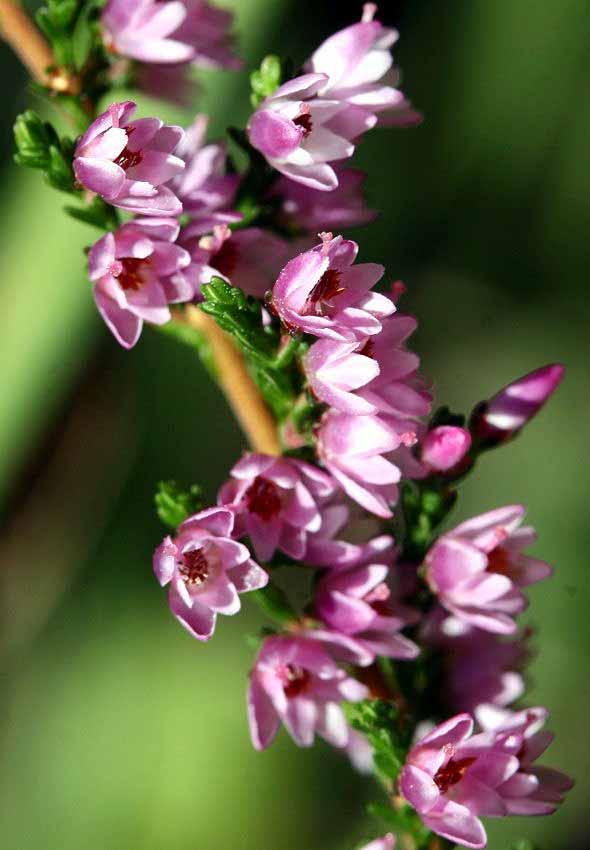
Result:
236,382
34,52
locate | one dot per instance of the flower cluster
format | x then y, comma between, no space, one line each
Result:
407,654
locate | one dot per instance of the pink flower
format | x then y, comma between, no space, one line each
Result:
206,570
357,602
292,129
140,29
206,191
322,293
534,789
248,258
352,448
137,273
276,502
396,393
127,164
482,669
312,210
509,410
385,843
358,64
207,29
478,568
324,550
335,369
451,783
175,32
444,447
295,681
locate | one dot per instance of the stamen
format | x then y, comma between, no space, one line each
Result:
297,680
194,567
132,273
452,773
327,287
263,499
303,120
369,12
409,438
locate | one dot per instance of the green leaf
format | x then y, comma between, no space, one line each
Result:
275,604
38,146
174,505
378,721
241,316
266,80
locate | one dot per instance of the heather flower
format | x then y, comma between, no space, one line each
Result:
296,682
208,30
359,66
173,32
478,568
292,130
444,447
137,272
311,210
321,292
128,163
249,258
451,783
534,789
510,409
324,549
353,449
206,570
482,669
141,29
335,369
206,191
396,393
358,602
277,502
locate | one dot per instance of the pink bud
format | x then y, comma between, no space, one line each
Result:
444,447
516,404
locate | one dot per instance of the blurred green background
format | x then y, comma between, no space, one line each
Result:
119,732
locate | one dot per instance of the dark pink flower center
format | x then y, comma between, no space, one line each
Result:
133,275
128,159
297,680
368,348
327,287
225,260
499,562
193,567
452,773
263,499
379,600
304,121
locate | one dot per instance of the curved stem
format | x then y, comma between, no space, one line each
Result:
237,384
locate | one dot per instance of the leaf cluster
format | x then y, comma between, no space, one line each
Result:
71,28
265,80
377,720
241,316
39,146
175,504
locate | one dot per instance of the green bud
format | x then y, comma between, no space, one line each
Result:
266,80
174,505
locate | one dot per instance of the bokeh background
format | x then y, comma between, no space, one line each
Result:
117,731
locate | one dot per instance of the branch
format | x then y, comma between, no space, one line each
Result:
238,387
34,52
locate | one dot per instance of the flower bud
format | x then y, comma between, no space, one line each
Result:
444,447
510,409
